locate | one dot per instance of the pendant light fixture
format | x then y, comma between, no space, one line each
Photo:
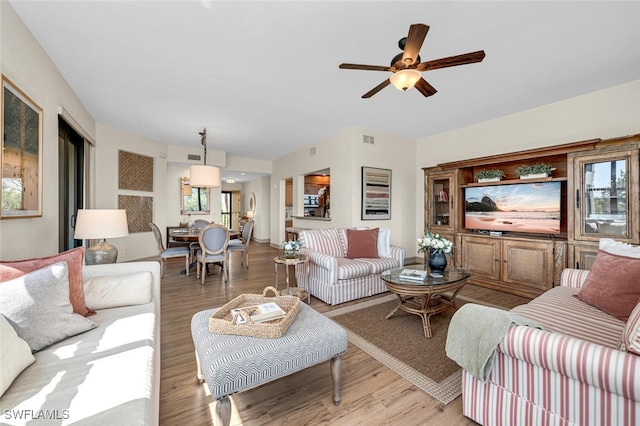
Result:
204,176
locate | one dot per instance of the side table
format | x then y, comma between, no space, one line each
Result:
288,261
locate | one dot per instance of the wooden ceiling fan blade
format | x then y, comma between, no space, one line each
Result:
364,67
425,88
415,38
452,61
376,89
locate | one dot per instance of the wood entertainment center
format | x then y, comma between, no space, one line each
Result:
600,198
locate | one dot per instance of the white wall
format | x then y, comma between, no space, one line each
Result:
23,61
109,142
604,114
345,154
260,187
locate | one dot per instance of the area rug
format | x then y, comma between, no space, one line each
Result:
399,343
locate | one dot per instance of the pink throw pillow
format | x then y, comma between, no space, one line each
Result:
362,243
613,284
11,269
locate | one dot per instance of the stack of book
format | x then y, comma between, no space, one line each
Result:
413,275
258,313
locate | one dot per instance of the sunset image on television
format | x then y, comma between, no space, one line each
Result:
523,207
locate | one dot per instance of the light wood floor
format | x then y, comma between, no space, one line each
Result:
371,393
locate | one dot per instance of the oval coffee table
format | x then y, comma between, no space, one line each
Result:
425,298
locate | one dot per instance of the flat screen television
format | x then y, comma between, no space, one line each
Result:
518,207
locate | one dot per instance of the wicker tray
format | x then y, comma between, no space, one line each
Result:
221,321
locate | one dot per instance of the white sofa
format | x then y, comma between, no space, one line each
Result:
332,277
109,375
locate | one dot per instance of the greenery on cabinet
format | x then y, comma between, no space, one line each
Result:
534,169
490,174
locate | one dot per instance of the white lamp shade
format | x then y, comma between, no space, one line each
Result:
92,224
405,79
202,176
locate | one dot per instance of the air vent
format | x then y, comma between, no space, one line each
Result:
195,157
368,139
312,151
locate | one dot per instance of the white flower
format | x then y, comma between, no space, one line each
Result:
291,245
434,242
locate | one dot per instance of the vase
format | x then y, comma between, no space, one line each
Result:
290,254
437,261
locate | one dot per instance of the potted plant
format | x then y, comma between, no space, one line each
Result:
538,170
491,175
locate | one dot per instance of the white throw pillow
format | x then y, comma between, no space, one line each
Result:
15,355
37,306
118,290
619,248
384,242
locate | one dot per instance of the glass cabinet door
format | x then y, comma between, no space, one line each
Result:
440,192
604,196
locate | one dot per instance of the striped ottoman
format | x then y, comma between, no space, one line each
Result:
230,363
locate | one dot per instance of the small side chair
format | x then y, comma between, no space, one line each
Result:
167,253
242,245
213,240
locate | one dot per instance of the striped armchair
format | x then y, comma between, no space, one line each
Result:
570,373
333,278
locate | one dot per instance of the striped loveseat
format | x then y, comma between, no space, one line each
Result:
570,373
333,278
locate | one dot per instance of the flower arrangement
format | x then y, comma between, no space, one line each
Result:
434,243
535,169
291,245
291,248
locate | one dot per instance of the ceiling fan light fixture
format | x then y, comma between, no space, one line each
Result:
405,79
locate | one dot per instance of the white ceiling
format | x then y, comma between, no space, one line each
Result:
263,76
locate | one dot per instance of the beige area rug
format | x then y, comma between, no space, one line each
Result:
399,343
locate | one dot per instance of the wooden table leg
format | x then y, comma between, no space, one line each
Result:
222,415
336,377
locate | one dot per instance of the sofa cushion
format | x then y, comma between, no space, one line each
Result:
74,258
381,264
612,284
37,306
559,311
362,243
118,290
15,355
631,334
352,268
327,241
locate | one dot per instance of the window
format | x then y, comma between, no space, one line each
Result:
193,200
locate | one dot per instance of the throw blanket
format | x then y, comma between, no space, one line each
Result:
474,334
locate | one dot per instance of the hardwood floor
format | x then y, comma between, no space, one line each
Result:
371,393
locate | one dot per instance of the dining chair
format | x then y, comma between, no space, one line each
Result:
242,245
213,239
171,252
198,225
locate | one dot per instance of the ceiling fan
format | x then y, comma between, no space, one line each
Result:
406,66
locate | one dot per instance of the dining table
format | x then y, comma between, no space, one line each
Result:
191,236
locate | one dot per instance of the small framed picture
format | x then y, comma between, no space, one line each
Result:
21,154
376,194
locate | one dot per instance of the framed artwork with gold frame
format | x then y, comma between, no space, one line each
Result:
21,154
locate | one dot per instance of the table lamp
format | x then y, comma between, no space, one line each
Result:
99,224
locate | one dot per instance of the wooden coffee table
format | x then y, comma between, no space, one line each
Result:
425,298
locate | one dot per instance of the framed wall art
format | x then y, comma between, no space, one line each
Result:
21,154
376,193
